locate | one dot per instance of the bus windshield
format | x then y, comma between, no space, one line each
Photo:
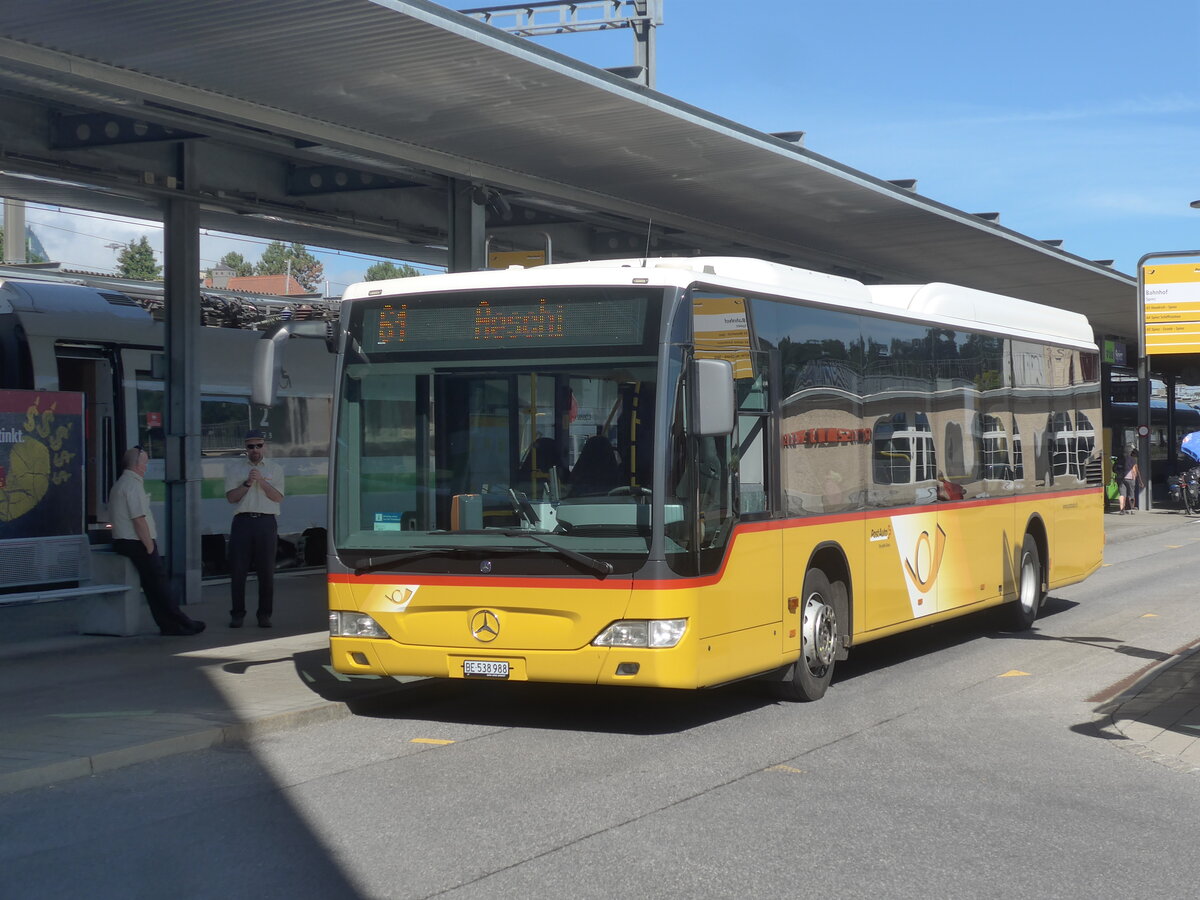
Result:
512,430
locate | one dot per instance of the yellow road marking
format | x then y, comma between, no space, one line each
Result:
1013,673
429,741
1174,546
1150,616
782,768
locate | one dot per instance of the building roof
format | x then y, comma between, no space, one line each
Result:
275,285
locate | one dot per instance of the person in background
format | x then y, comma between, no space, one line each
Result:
255,486
135,536
1131,483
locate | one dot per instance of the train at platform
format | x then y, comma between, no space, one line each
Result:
76,335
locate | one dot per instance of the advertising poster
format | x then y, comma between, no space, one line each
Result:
41,464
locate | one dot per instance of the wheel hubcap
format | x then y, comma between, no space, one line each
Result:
820,632
1029,583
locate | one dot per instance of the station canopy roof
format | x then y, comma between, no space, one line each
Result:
337,122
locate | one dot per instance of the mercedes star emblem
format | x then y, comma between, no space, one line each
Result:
485,626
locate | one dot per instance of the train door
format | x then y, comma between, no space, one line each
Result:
93,372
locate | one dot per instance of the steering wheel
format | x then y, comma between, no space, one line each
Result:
626,490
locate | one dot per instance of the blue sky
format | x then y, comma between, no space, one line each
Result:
1073,120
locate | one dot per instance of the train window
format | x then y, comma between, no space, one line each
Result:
151,418
297,426
223,424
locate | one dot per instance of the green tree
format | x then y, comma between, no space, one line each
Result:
240,265
385,269
31,255
279,259
137,261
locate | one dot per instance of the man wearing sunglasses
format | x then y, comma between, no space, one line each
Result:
255,486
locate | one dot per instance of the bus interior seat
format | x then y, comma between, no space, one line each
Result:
597,470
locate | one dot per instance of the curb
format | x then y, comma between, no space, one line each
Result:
1112,708
1150,523
203,739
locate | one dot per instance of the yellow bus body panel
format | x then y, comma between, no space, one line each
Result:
906,568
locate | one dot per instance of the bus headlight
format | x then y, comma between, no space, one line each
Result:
642,633
349,624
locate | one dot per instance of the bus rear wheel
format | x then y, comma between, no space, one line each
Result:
819,635
1030,586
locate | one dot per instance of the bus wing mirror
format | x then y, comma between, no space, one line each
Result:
268,355
713,397
268,367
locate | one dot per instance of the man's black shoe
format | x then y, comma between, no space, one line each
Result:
196,625
264,621
236,621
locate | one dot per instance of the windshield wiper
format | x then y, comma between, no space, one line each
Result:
599,566
373,563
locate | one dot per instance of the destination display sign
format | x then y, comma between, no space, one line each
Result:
1172,308
421,325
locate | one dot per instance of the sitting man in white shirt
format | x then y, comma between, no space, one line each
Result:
134,535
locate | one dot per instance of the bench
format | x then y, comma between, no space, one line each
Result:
112,604
39,596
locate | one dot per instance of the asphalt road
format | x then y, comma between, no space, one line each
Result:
961,761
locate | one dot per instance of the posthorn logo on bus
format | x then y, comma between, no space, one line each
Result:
485,626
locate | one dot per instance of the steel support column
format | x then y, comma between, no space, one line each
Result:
1172,437
182,309
465,230
13,250
649,17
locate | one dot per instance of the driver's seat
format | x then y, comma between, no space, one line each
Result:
598,469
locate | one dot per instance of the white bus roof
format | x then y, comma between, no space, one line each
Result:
946,304
981,309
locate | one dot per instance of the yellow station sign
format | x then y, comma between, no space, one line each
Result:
1172,308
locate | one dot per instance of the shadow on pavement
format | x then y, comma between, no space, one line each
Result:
590,708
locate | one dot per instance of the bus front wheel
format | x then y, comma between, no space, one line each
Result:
819,635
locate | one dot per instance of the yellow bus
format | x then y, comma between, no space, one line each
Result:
685,472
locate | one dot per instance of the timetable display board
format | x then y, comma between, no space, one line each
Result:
723,331
1171,308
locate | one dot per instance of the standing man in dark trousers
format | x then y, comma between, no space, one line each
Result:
255,486
134,535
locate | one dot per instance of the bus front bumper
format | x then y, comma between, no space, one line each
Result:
673,667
